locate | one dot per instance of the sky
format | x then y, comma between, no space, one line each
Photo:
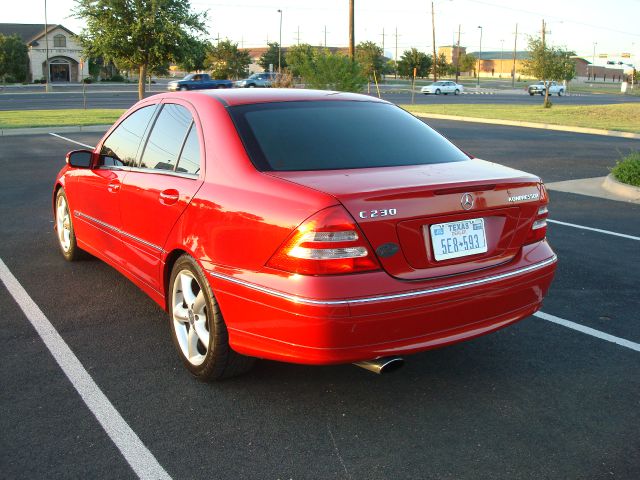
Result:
609,27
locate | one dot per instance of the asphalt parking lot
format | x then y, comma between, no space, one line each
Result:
537,400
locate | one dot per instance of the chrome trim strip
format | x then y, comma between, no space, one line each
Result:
115,229
417,293
171,173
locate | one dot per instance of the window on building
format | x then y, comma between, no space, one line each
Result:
60,41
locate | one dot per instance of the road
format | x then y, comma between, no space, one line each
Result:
536,400
123,96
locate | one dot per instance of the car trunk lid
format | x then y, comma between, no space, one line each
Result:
403,210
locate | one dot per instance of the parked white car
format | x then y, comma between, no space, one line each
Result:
442,86
554,88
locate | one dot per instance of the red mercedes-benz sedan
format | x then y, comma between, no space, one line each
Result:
305,226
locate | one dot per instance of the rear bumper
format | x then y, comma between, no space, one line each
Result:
282,326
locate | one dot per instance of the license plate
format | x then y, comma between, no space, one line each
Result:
458,239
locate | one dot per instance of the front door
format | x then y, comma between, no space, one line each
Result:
96,200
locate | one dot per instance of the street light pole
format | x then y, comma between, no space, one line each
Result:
593,60
479,56
280,43
501,55
47,77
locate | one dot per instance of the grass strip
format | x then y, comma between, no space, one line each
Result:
624,117
58,118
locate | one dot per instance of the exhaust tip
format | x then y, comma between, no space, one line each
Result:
381,365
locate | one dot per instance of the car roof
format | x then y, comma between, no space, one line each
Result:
244,96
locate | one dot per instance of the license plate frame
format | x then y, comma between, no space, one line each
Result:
457,239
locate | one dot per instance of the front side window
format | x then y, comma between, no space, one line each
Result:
327,135
121,148
167,138
59,41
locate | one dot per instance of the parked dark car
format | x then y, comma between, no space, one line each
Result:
198,81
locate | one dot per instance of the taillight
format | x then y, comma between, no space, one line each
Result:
539,226
327,243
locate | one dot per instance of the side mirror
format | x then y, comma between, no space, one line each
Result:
80,158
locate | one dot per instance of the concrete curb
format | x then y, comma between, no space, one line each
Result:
543,126
10,132
622,189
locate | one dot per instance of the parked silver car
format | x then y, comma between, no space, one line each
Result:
263,79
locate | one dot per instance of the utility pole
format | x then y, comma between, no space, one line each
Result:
352,41
593,60
433,30
47,87
383,42
280,44
298,36
458,55
479,56
325,36
515,46
501,55
396,56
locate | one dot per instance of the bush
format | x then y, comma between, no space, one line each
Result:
627,170
87,80
284,80
330,71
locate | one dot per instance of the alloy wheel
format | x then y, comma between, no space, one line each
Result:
190,317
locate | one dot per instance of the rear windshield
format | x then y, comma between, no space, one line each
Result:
334,135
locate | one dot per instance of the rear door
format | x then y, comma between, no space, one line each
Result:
156,192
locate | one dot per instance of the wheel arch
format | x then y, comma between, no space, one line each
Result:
169,262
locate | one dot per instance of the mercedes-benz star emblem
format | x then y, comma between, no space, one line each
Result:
467,201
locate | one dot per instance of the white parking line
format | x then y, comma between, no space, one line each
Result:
608,232
589,331
141,460
72,141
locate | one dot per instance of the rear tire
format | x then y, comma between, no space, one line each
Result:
457,92
197,327
560,93
542,92
64,228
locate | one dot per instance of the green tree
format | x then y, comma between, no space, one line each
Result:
329,71
548,63
369,56
442,67
299,57
467,62
138,34
413,58
270,57
194,54
226,60
14,58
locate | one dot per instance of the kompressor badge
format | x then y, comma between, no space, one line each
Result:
524,198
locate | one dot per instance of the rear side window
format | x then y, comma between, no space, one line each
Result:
190,157
166,138
329,135
121,148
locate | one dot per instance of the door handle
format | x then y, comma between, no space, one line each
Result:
113,186
169,197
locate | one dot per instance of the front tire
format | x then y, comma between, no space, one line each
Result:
197,327
457,92
437,91
64,228
560,93
183,89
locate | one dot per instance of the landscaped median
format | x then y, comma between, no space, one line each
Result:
58,118
621,118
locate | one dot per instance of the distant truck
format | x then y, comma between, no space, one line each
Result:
540,87
198,81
